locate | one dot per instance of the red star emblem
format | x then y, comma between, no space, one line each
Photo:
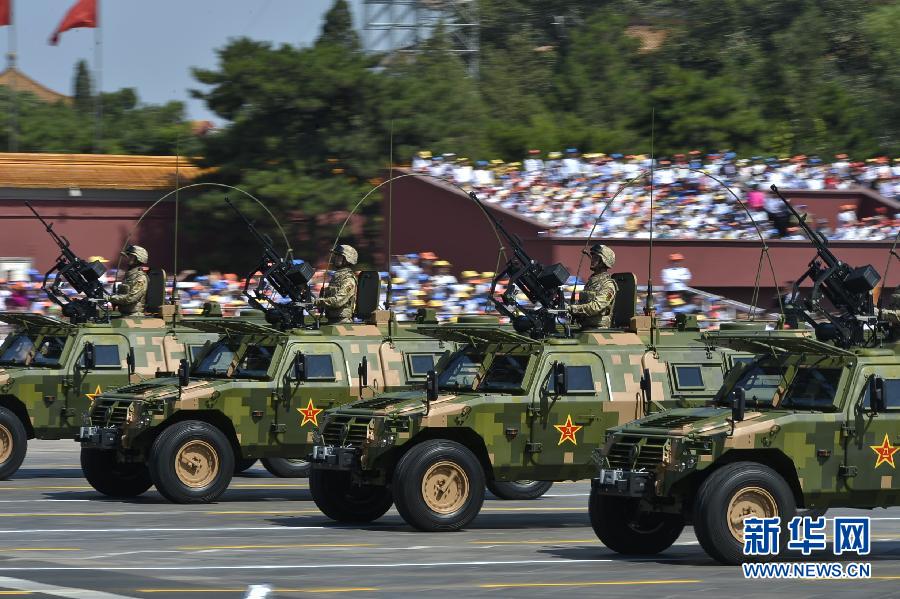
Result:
96,392
310,414
567,431
885,452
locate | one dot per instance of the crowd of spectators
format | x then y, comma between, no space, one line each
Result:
692,193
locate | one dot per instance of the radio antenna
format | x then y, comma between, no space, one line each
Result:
387,293
648,302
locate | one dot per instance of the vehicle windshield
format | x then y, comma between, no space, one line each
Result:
760,382
812,389
49,351
14,351
216,361
505,373
255,361
461,371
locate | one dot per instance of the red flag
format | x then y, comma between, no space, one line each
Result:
83,14
5,12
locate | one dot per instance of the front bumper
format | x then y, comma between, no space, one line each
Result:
330,457
101,437
622,483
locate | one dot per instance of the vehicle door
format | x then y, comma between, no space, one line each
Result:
567,424
405,364
314,378
86,380
873,449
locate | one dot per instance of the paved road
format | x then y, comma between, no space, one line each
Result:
59,538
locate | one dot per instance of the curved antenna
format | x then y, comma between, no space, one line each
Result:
765,247
174,297
390,181
194,185
390,223
650,257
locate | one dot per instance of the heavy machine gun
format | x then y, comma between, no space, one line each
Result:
280,274
542,285
848,289
82,276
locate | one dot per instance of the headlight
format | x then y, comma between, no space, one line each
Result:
132,414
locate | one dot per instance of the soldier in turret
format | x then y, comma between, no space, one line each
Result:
595,303
133,290
338,300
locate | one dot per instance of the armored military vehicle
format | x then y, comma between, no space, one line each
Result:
52,368
812,423
529,403
256,393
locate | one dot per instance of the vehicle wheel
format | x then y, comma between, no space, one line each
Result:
13,443
439,486
191,462
733,493
621,526
287,468
519,489
335,494
110,476
243,464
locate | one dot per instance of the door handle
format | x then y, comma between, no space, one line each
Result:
585,418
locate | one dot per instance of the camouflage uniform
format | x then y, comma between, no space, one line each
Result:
339,298
133,290
595,304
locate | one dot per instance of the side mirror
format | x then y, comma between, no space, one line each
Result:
298,368
90,356
646,386
738,405
184,373
560,380
363,372
877,400
129,359
431,389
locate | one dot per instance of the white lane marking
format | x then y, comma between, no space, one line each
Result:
305,566
216,529
568,495
40,500
51,589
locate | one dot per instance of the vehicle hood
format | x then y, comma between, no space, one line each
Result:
167,388
699,422
406,403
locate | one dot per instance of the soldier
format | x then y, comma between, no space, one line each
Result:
133,290
891,315
338,300
595,304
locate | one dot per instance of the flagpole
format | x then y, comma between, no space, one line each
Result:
13,96
98,76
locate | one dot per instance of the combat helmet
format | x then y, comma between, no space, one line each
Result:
606,254
347,252
138,252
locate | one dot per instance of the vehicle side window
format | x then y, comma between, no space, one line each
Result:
420,364
107,356
891,395
580,379
195,351
49,352
319,367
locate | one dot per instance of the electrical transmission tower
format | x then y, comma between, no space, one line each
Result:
401,26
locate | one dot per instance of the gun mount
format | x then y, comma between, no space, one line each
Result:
541,285
848,289
82,276
280,274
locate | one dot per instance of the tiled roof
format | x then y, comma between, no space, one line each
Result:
23,83
94,171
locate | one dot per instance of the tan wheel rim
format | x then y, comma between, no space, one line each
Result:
748,502
197,464
445,487
6,443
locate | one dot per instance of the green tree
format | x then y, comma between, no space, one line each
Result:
83,89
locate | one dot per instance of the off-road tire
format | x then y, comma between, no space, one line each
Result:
243,464
723,488
112,477
621,527
287,468
13,443
439,486
191,462
519,489
338,498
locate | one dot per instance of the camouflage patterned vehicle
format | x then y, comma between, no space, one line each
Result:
812,423
256,393
52,368
506,407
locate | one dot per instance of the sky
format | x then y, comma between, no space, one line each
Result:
151,45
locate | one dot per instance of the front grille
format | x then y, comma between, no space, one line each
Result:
346,431
109,412
671,421
636,453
